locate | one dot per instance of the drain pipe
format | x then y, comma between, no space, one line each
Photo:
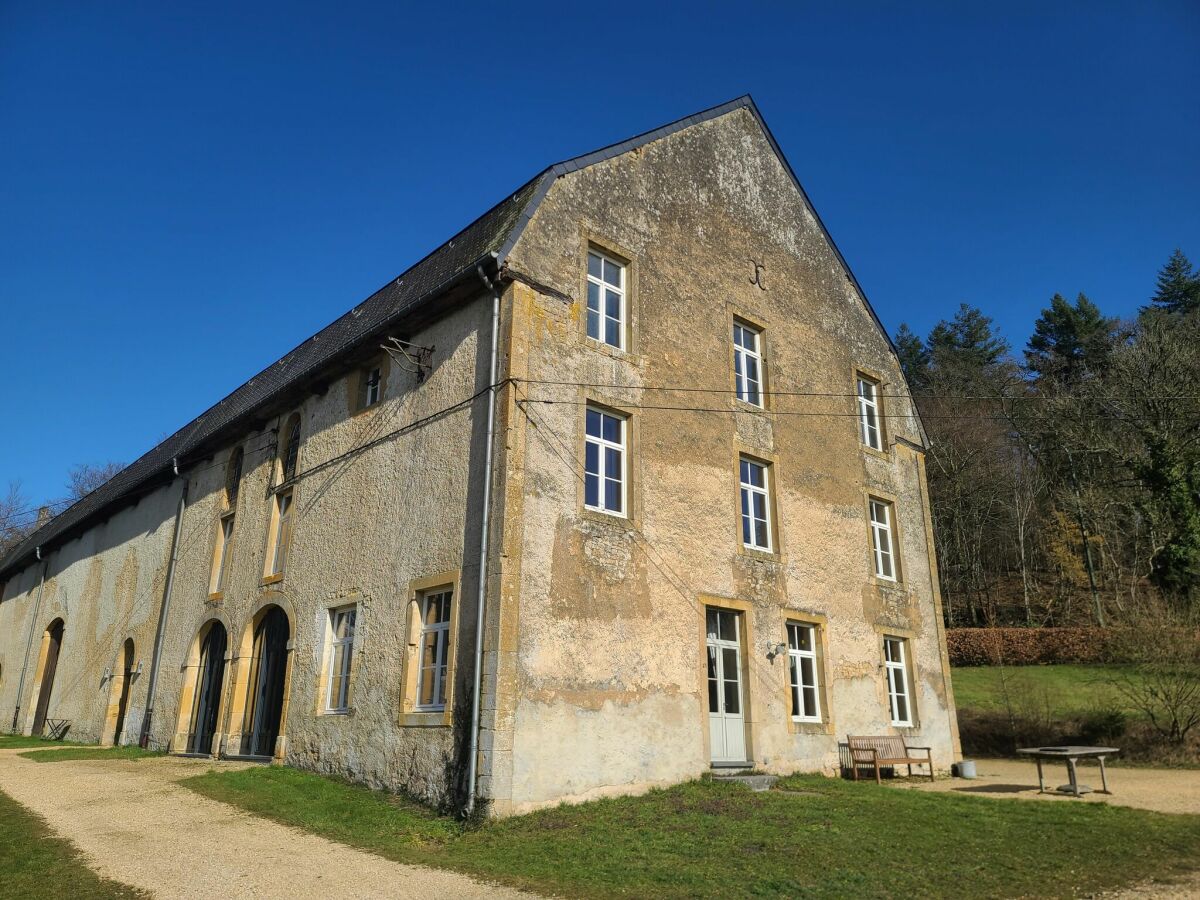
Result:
144,738
472,766
37,611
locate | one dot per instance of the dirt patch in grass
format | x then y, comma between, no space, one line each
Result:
706,839
36,864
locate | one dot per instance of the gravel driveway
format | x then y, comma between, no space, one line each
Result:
134,824
1160,790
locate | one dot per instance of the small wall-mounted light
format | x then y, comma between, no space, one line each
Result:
773,650
138,670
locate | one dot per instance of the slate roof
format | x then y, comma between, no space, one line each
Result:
488,240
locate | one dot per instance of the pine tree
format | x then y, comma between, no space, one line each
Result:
966,342
914,358
1178,286
1070,342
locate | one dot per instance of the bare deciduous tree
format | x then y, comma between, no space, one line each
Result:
15,519
85,478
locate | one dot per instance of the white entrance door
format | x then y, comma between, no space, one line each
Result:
726,718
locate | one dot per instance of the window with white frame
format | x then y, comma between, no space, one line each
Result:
897,679
802,659
434,648
747,363
341,657
881,539
756,504
868,412
606,310
604,462
372,386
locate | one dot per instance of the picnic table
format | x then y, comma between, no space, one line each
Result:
1071,755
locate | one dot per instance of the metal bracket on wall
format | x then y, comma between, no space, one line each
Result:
410,357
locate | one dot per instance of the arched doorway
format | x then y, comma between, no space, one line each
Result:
51,646
210,676
265,683
118,695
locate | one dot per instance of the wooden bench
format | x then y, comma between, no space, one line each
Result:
885,750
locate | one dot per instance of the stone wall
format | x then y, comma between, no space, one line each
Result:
369,525
608,692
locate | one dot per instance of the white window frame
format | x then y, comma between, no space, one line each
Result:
869,420
796,670
895,664
332,703
882,545
372,385
602,474
752,490
441,657
741,355
602,312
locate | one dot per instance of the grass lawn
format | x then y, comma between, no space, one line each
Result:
18,741
66,754
1067,689
35,864
710,839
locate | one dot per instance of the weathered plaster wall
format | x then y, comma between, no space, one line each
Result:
105,586
366,527
608,671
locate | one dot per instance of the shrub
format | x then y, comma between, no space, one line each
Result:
1164,682
1103,725
1032,646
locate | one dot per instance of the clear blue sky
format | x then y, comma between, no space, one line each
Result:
184,196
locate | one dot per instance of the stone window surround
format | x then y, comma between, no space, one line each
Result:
278,490
593,241
820,623
877,496
884,451
330,609
769,460
222,545
410,714
910,637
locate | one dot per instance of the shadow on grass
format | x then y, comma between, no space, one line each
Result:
21,741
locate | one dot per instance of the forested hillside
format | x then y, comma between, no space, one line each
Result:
1065,481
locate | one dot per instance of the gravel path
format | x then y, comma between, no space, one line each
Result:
134,824
1161,790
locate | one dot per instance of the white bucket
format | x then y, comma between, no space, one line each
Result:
965,769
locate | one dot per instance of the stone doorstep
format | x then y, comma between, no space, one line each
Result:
754,782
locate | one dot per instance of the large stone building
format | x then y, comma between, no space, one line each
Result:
645,395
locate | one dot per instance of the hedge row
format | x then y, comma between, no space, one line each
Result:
1032,646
